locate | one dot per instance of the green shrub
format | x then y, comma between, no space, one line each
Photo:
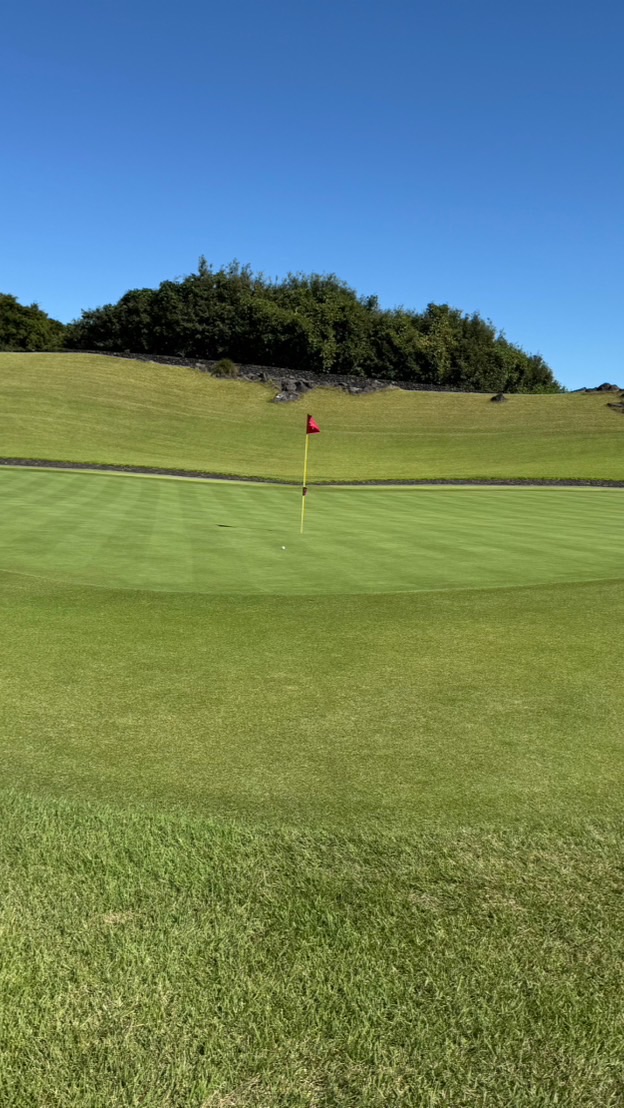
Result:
225,368
27,328
311,324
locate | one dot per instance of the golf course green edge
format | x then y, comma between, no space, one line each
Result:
199,475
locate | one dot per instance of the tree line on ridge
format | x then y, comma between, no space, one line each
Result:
306,323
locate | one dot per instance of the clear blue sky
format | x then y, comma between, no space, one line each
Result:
471,153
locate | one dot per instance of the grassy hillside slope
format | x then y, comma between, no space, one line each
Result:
76,407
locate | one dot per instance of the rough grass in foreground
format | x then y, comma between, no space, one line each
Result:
161,961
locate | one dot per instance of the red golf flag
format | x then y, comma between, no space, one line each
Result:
312,427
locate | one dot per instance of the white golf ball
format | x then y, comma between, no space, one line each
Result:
283,548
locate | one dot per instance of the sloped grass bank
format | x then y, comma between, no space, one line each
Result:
89,408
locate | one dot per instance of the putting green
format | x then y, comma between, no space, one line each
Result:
211,667
183,536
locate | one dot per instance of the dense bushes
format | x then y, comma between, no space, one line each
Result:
310,323
313,324
23,328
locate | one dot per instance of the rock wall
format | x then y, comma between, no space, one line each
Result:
289,383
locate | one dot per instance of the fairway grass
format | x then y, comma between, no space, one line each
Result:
462,706
89,408
434,654
325,827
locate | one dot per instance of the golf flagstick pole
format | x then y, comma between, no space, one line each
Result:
304,487
312,428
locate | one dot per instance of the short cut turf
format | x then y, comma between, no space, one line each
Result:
436,654
319,827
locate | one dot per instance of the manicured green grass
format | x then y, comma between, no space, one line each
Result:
192,536
381,665
331,826
458,706
73,407
162,961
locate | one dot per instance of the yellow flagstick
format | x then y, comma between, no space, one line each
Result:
304,487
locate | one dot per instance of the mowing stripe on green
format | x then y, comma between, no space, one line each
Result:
219,538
